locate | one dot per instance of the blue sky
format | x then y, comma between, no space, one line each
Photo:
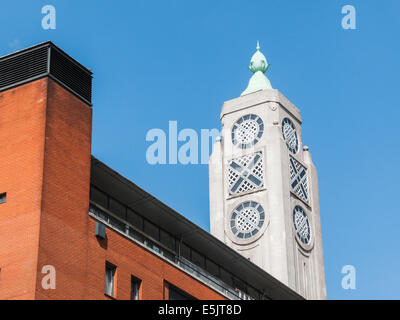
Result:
156,61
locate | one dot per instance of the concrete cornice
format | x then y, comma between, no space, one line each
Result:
257,98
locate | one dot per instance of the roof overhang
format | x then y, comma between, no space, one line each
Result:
160,214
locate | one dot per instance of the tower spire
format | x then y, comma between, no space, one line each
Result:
258,66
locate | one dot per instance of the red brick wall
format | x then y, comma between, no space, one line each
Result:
65,204
22,127
45,133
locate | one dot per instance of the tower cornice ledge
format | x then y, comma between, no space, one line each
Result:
260,97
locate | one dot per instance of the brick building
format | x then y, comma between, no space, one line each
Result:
105,237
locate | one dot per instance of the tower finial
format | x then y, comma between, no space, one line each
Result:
258,65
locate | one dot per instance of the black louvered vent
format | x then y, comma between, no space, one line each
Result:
22,67
45,60
70,74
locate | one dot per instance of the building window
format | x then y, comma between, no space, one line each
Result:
302,225
99,197
298,179
134,219
198,259
212,268
117,208
109,285
135,288
290,135
246,173
247,131
3,197
247,219
167,240
152,230
175,293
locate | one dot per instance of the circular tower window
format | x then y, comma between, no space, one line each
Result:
247,219
290,135
247,131
302,225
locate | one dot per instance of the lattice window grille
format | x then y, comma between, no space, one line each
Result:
247,219
246,173
302,225
290,135
299,179
247,131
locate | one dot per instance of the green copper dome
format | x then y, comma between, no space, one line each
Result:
258,66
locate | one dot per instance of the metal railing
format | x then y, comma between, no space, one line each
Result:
129,231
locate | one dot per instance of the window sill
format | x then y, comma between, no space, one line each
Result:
110,297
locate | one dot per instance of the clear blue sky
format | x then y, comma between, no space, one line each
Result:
155,61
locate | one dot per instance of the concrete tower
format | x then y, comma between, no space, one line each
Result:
264,188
